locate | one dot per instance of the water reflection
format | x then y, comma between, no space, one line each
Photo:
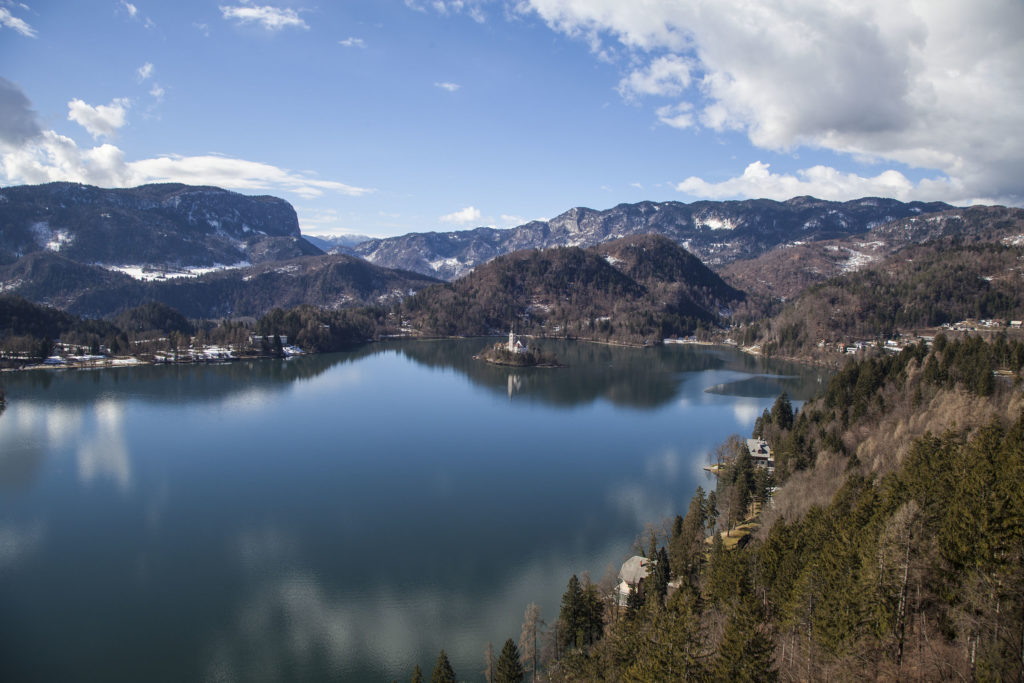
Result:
102,451
341,516
638,378
296,623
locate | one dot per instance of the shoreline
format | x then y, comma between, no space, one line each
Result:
135,361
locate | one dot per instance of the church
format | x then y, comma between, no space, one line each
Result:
515,344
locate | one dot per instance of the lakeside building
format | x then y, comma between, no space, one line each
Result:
631,575
761,454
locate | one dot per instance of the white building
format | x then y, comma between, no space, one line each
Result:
761,454
633,571
515,344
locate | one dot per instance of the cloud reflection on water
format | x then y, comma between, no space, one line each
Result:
291,621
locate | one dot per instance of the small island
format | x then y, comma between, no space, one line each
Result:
517,354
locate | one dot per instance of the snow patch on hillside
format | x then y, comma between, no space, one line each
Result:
714,223
48,238
157,273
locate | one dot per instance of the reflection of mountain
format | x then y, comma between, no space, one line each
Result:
640,378
768,386
173,383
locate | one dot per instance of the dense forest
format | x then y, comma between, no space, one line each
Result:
28,330
919,287
634,290
893,547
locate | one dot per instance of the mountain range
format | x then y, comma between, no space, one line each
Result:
214,253
718,233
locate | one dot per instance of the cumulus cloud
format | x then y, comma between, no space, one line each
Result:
676,115
101,121
48,157
665,76
352,42
464,216
12,22
931,85
270,18
157,91
18,121
130,8
823,182
450,87
144,71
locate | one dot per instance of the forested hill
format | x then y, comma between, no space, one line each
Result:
894,549
162,224
330,281
921,286
635,290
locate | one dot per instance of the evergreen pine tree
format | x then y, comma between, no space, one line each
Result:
782,412
570,616
417,675
509,668
443,672
745,653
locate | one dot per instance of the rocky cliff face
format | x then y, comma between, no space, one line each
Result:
167,225
717,232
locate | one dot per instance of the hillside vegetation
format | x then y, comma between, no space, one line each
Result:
921,286
634,290
881,557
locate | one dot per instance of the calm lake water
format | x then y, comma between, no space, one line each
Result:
343,516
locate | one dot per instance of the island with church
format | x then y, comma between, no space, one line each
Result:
516,352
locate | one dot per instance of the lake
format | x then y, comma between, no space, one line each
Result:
341,516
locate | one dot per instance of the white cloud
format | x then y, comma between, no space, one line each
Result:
101,121
52,157
470,7
450,87
676,115
665,76
144,71
233,173
10,21
157,91
934,85
270,18
130,8
825,182
352,42
464,216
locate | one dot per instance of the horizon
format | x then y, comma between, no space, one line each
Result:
383,119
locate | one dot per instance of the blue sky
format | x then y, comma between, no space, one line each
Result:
385,117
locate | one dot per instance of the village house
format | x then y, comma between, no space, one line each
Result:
633,572
761,454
